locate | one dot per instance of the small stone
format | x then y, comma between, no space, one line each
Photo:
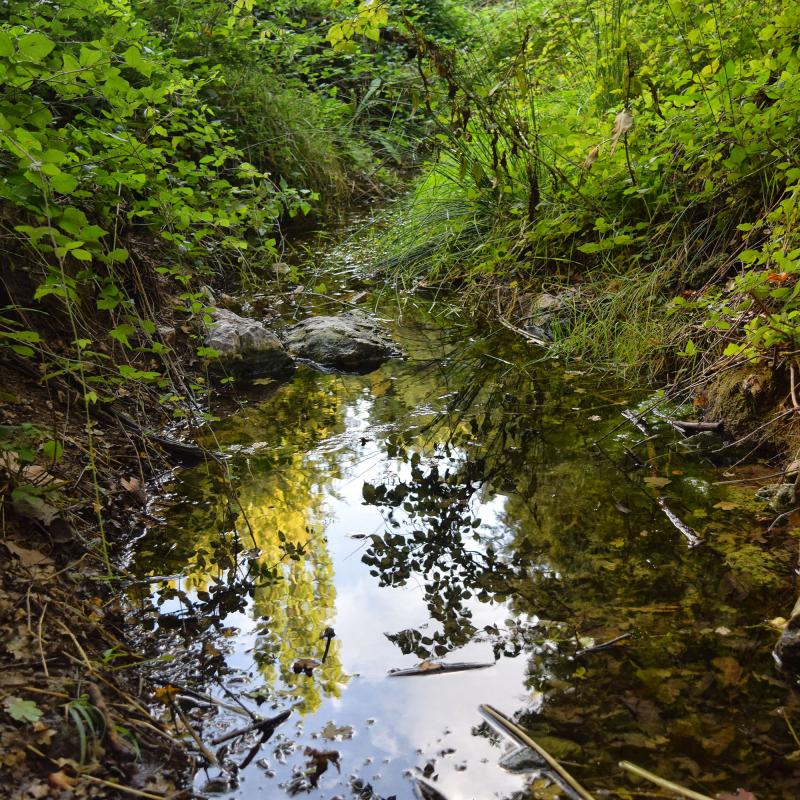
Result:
779,496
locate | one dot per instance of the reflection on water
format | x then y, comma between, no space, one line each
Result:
465,506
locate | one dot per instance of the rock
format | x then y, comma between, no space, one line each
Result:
247,349
779,496
548,313
787,650
350,342
167,334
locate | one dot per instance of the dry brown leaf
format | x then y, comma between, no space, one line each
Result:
307,665
61,781
39,476
591,157
28,558
318,761
623,122
9,461
132,485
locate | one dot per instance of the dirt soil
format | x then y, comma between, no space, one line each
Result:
77,716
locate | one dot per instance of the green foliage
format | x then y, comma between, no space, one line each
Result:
148,148
647,150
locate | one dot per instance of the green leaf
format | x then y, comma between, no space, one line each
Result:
63,183
6,45
133,58
53,450
118,254
22,710
733,349
35,46
122,332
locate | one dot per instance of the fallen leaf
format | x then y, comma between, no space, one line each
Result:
60,780
133,485
22,710
165,694
656,482
730,670
307,665
30,505
726,505
28,558
333,733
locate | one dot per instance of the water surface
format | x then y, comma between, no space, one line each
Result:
471,503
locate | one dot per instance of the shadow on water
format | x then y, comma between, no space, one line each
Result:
461,505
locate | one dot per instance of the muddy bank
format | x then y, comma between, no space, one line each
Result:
78,720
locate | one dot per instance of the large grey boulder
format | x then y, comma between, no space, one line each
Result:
349,342
247,349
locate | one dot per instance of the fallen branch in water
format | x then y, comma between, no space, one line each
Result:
694,427
524,738
663,782
524,334
690,535
263,725
432,668
604,646
206,753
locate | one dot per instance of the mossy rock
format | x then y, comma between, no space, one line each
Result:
742,399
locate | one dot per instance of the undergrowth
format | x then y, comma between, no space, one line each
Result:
642,159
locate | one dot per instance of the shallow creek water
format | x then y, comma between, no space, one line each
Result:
468,504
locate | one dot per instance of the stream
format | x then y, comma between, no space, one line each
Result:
470,503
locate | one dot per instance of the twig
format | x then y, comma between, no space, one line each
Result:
690,535
87,663
207,754
750,434
262,725
123,788
662,782
117,743
40,640
687,425
524,334
525,739
780,517
597,647
791,729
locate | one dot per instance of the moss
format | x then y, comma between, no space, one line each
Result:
742,399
